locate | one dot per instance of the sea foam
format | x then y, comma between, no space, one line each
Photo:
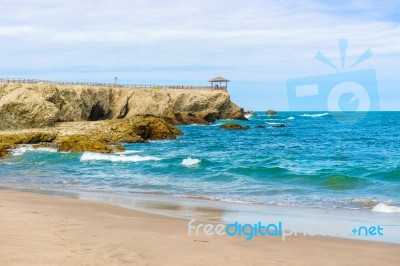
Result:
20,150
90,156
315,115
382,207
190,162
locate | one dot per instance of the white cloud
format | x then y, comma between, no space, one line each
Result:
246,40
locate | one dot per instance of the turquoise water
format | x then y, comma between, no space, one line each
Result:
315,161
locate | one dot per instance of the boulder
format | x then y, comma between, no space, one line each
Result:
82,143
5,149
271,112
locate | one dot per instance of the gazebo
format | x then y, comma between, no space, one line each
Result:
219,82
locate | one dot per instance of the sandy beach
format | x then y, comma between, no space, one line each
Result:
48,230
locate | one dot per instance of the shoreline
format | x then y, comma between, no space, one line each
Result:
71,231
308,221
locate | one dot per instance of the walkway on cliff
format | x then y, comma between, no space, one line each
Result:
111,85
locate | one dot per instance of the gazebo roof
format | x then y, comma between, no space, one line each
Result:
218,79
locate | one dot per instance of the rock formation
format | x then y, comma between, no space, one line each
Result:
96,136
44,104
78,118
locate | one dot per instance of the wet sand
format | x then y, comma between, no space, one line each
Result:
48,230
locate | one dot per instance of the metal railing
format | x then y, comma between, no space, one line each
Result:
111,85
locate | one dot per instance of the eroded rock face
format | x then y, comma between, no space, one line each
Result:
98,136
26,107
28,136
42,105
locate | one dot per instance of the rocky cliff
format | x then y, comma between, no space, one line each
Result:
44,104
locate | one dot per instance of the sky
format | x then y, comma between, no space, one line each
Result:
257,44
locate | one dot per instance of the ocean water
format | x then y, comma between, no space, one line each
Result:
317,160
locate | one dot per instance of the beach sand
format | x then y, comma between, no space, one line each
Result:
40,229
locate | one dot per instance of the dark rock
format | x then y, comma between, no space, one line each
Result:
271,112
278,125
234,126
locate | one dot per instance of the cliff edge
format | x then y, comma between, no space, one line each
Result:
45,104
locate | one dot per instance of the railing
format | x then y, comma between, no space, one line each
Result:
111,85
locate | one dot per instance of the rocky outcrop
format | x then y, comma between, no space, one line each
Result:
78,118
234,126
45,104
97,136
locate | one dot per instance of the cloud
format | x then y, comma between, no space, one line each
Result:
192,40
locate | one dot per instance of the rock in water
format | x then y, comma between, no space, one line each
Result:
271,112
97,136
234,126
278,125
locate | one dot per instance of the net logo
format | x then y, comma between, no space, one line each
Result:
348,95
368,231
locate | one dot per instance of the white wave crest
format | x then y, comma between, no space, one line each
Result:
190,162
274,123
315,115
290,118
382,207
20,150
91,156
